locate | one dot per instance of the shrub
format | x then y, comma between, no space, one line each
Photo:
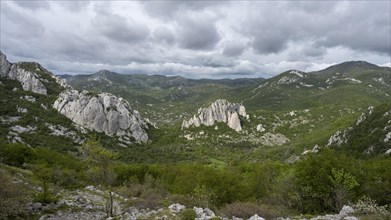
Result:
241,210
13,196
366,205
188,214
46,196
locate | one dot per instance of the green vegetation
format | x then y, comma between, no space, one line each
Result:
231,173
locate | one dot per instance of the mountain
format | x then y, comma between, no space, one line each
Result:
40,109
295,143
162,99
294,110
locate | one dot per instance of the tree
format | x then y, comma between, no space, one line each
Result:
101,171
343,184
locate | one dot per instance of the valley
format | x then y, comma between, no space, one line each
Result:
128,146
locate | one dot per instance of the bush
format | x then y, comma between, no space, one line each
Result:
46,196
367,205
15,154
13,196
241,210
188,214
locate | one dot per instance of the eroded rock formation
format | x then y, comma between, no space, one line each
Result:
219,111
102,112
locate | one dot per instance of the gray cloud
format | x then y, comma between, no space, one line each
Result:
119,28
33,5
197,33
164,34
195,38
234,48
73,6
343,24
169,9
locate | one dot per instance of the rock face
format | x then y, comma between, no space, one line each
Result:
219,111
103,113
29,80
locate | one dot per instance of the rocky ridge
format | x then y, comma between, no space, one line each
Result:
103,112
29,80
219,111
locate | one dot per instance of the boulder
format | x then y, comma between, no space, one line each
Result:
176,208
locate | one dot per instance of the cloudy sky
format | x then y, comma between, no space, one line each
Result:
195,39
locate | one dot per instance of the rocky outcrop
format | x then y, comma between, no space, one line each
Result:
30,81
219,111
102,112
339,138
270,139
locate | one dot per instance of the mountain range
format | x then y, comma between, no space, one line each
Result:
109,144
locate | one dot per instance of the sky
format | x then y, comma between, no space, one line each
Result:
195,39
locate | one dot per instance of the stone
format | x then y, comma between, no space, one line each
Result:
260,128
28,98
256,217
219,111
339,138
176,208
102,112
270,139
20,129
203,214
346,210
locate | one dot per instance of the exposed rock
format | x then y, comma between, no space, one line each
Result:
339,138
260,128
203,214
176,208
270,139
346,210
103,112
28,98
219,111
388,137
5,65
20,129
314,150
8,119
256,217
343,214
234,122
286,80
58,130
21,110
30,81
364,115
62,82
13,134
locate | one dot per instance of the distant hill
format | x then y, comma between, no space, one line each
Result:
163,99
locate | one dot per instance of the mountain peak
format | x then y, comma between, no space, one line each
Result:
103,72
350,66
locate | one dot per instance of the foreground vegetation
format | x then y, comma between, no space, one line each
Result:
319,183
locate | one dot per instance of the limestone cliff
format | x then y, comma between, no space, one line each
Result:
103,112
219,111
30,81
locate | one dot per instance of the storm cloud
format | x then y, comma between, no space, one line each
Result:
197,39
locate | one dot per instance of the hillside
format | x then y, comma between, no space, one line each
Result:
280,147
160,98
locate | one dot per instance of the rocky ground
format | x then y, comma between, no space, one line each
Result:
92,203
